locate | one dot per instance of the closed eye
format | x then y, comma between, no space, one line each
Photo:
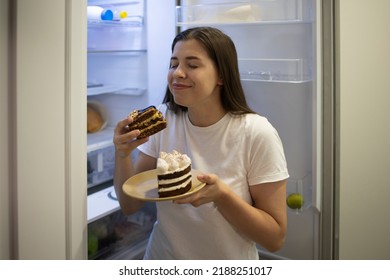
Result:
174,66
191,62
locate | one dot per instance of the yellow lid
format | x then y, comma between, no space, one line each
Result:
123,14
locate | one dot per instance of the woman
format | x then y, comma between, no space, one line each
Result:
240,153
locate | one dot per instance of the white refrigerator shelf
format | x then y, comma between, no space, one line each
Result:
115,89
274,70
244,12
101,204
133,21
100,140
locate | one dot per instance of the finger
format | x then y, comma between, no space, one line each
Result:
135,143
141,141
184,200
119,128
195,202
207,178
124,149
125,138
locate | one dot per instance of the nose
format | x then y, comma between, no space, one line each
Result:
179,72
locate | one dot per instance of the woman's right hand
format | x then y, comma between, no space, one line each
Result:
126,141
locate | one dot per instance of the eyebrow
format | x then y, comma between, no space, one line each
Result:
187,58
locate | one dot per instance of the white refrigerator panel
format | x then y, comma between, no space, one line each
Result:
276,46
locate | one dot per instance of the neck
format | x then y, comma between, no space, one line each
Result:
205,116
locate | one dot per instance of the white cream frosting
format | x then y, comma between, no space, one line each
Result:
182,185
172,162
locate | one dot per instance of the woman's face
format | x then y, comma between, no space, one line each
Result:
192,77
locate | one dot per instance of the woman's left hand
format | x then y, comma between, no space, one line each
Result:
209,193
264,221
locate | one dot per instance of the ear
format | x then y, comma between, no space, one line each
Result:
220,82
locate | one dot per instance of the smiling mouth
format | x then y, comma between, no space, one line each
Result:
180,86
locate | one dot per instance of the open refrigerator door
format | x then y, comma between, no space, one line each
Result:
116,78
127,62
116,84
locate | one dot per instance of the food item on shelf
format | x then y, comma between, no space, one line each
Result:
94,120
99,229
295,201
93,244
173,174
99,13
149,121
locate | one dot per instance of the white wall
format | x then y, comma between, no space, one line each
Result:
363,88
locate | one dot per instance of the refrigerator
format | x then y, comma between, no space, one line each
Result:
280,61
127,58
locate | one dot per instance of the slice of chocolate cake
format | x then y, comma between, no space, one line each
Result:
173,174
149,121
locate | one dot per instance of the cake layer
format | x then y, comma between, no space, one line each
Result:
149,121
146,120
143,114
175,182
176,174
158,126
168,193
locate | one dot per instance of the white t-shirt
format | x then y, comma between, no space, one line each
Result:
243,151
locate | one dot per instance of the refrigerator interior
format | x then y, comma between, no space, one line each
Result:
116,77
127,62
117,72
276,44
277,51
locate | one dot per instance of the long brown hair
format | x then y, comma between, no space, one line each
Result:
222,52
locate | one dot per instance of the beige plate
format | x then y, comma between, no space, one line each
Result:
143,186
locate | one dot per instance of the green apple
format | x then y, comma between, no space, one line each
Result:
93,244
295,201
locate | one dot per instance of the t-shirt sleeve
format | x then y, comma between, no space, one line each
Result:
267,162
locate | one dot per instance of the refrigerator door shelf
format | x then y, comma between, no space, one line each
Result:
130,52
302,188
100,165
112,36
113,2
131,21
275,70
119,72
101,157
115,89
118,236
100,204
100,140
244,12
136,252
